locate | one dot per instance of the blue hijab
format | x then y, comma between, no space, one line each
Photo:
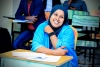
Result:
57,7
57,30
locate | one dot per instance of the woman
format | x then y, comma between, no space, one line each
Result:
28,10
55,36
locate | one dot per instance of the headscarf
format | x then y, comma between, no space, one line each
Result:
56,7
57,30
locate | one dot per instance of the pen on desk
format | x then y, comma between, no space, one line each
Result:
39,58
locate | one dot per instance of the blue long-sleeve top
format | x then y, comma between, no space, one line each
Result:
65,38
36,9
79,4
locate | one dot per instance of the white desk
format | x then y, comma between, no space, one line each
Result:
7,60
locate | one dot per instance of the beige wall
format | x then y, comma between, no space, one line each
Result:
92,4
6,8
15,4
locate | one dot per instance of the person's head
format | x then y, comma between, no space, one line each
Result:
58,16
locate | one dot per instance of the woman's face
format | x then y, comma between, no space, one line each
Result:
57,18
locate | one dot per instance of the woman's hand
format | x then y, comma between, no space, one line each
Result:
48,29
60,51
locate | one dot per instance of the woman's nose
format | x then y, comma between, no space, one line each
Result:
57,17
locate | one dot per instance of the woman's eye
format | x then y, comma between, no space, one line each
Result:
61,17
55,14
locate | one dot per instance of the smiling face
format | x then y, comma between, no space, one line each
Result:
57,18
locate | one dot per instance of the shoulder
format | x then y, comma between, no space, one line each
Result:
67,31
81,1
42,25
67,28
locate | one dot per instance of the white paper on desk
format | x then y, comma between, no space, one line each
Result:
35,56
47,59
23,21
28,54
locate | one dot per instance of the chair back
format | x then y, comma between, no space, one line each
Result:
76,12
87,21
76,36
47,14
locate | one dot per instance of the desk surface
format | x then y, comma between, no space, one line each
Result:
9,17
12,18
62,60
